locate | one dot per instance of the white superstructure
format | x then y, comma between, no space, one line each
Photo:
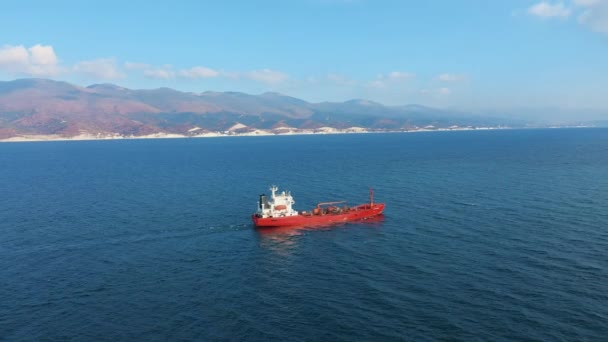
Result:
279,205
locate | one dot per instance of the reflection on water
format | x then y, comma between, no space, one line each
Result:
375,221
283,240
280,240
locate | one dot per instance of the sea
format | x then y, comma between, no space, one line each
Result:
487,236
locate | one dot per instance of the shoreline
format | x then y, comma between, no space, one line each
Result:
256,133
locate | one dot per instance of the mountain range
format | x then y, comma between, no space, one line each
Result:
48,107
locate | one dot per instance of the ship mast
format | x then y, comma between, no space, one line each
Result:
273,189
371,197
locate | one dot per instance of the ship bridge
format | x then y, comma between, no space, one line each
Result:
279,204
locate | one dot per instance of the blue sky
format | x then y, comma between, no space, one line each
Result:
466,54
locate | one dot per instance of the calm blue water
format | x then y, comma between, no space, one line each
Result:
497,235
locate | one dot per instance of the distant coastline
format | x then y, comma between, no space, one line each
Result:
49,110
252,133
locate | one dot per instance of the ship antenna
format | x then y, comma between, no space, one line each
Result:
371,197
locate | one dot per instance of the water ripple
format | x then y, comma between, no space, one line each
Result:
486,236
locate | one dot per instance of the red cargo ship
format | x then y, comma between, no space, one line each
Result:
278,211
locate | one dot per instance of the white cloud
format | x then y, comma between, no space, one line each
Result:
166,72
102,68
392,78
41,60
162,73
547,10
231,75
42,55
14,55
590,13
587,2
267,76
312,79
399,75
451,77
38,60
436,92
377,84
136,66
340,80
199,72
594,14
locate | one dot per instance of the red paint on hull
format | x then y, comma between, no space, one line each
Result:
361,212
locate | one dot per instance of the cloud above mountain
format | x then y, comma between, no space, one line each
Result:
267,76
391,79
38,60
198,72
160,73
42,61
102,68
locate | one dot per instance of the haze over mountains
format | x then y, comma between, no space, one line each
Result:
47,107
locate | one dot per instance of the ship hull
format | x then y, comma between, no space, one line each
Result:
360,212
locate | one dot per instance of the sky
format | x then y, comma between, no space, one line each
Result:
471,54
